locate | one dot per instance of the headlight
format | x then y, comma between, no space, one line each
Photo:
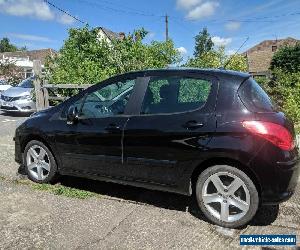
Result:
25,97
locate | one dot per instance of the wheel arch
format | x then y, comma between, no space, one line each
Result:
224,161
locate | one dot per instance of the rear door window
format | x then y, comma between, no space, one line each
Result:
175,94
255,98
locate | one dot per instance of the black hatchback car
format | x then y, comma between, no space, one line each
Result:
211,133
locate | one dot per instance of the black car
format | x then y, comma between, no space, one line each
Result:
212,133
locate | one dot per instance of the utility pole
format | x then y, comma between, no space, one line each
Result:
167,27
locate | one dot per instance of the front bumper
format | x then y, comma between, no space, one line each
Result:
18,150
25,106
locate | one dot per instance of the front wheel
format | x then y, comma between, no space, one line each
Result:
227,196
39,162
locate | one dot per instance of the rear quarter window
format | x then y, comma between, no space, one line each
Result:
255,98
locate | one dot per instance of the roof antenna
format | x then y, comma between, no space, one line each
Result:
230,58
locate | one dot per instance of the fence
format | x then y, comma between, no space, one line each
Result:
42,88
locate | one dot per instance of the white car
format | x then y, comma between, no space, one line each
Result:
4,86
19,98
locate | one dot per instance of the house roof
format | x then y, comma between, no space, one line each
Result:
40,54
111,34
259,57
267,43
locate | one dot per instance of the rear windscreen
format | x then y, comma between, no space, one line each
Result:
255,98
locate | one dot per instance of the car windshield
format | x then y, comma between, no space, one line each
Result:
27,83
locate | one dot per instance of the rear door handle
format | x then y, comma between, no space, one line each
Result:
113,128
193,125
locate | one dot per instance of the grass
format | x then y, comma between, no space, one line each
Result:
56,189
64,191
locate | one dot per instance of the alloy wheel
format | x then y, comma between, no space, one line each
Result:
38,163
226,197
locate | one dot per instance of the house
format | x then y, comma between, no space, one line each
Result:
108,35
259,57
24,59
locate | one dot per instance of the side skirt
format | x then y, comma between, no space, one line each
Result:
129,182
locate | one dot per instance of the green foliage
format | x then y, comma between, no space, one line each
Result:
85,59
209,59
237,63
284,87
190,90
6,46
218,58
194,90
206,56
262,80
285,83
203,43
64,191
287,58
287,92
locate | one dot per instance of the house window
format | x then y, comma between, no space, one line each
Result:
28,73
274,48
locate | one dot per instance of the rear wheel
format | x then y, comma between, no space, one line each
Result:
39,162
227,196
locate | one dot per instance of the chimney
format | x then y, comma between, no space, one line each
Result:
121,35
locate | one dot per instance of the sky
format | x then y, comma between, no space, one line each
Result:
36,24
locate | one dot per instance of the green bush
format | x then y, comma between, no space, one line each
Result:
287,58
284,87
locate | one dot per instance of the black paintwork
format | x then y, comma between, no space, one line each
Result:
164,151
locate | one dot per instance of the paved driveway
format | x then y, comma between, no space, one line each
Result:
120,217
8,124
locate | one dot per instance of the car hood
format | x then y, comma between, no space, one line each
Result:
17,91
4,86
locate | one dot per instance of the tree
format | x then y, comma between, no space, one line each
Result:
85,59
203,43
6,46
217,58
287,58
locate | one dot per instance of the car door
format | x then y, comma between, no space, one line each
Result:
175,124
93,145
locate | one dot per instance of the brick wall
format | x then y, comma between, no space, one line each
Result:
259,57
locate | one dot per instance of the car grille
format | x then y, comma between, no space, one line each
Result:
8,108
9,99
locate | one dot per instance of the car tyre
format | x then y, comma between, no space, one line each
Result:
227,196
39,162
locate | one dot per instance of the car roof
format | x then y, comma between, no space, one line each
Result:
208,71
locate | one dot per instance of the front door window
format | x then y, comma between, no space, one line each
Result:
108,101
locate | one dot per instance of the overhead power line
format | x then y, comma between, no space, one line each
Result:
65,12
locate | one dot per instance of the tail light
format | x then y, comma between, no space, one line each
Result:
272,132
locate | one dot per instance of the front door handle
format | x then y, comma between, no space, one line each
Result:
113,128
193,125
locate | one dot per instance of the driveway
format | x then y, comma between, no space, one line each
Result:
118,217
8,124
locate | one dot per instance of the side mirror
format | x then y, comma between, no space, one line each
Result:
72,115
